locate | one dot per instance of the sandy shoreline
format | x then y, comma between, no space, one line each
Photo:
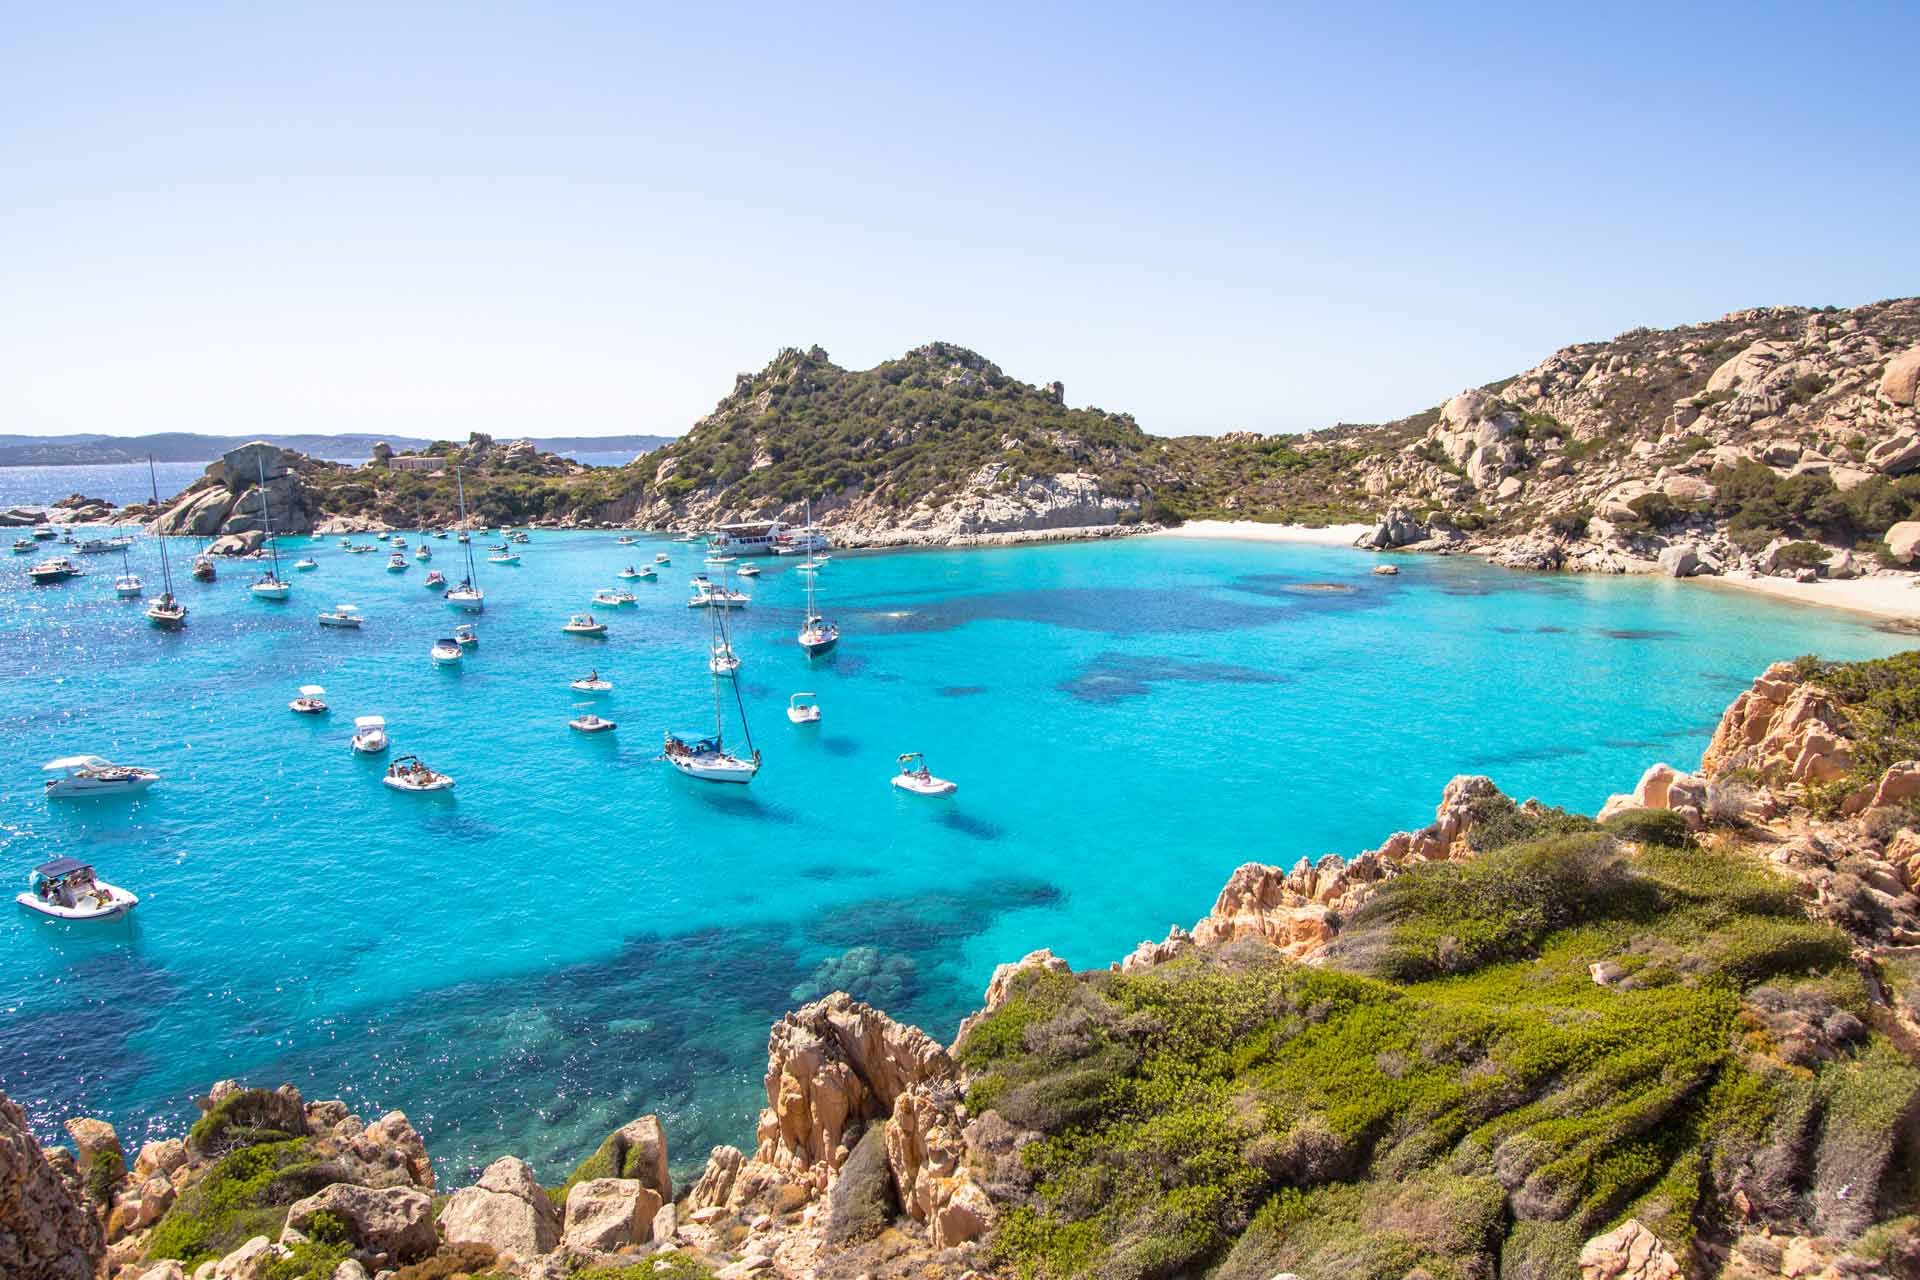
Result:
1333,535
1891,596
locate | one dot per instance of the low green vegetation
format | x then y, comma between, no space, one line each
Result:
1881,700
245,1194
1455,1091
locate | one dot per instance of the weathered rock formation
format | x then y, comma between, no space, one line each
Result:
506,1210
47,1229
228,499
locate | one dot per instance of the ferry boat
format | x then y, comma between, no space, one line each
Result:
67,889
750,538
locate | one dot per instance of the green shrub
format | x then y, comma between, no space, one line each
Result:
1802,555
244,1194
1661,827
451,1260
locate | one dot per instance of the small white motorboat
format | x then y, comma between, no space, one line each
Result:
442,535
369,735
398,562
310,702
749,570
584,624
504,557
44,533
24,546
435,578
662,558
342,615
67,889
913,776
802,709
464,536
90,776
629,573
305,564
346,544
622,598
408,774
591,723
203,568
591,683
446,651
127,585
721,558
398,543
464,635
608,596
626,540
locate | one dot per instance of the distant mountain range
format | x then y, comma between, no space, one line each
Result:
189,446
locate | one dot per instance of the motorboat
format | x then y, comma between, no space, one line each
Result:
721,559
361,549
465,636
67,889
90,776
662,558
608,596
44,533
519,537
630,573
591,723
626,540
802,709
423,552
305,564
24,546
446,651
914,777
103,546
465,537
793,542
749,570
591,683
57,569
504,556
584,624
369,735
346,544
398,562
203,569
407,773
398,543
442,535
435,578
708,596
311,701
342,615
381,537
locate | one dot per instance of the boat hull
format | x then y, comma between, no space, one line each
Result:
926,786
120,904
420,788
711,768
93,788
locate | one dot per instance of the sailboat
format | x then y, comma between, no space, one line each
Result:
708,758
166,613
128,584
467,595
271,586
723,661
817,634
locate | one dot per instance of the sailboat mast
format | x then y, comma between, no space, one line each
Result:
266,517
718,738
466,543
166,572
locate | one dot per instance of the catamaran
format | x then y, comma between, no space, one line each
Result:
166,613
467,595
272,586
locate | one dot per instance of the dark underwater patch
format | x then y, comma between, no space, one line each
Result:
963,690
1115,677
883,979
839,745
1637,633
1107,610
924,921
968,825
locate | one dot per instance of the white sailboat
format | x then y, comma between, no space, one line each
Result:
271,586
817,634
708,758
722,660
467,595
166,613
128,583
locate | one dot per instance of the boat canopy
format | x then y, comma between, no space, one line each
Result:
73,762
369,722
795,699
60,867
311,691
346,608
696,742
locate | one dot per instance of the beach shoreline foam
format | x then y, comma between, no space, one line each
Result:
1332,535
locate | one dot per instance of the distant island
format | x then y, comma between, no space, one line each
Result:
192,446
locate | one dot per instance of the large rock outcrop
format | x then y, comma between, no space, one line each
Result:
1783,729
395,1222
47,1229
228,499
506,1210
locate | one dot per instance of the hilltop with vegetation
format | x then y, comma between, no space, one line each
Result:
1678,1038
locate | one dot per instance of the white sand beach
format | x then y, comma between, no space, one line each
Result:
1332,535
1895,596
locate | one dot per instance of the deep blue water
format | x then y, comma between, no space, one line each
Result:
577,935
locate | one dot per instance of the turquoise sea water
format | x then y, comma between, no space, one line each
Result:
578,935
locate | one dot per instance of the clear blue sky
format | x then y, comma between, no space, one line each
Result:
556,218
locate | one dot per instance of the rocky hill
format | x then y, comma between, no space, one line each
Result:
1678,1039
934,445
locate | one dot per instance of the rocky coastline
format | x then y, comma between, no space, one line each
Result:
881,1152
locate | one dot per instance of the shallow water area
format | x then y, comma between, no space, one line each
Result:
577,935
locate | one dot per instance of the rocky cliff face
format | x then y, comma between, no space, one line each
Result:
233,501
48,1231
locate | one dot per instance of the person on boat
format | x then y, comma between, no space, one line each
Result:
593,675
